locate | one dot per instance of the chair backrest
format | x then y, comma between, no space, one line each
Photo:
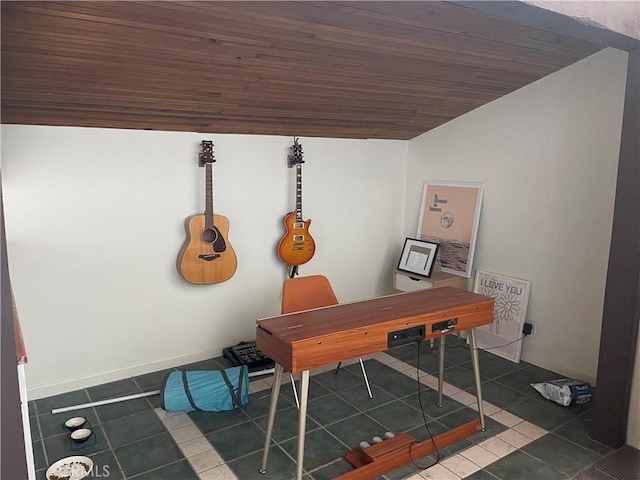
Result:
305,293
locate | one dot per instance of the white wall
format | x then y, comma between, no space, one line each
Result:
95,222
547,155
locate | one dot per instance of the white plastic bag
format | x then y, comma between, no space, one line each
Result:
565,391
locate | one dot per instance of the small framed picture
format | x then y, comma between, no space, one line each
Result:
418,256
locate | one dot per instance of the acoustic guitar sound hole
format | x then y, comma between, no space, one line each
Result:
209,235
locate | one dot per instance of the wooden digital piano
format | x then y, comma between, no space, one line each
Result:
300,341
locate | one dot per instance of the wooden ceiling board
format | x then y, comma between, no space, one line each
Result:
326,69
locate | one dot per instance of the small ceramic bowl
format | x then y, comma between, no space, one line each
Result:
81,435
75,423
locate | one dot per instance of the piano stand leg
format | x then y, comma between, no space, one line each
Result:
476,373
364,375
366,379
302,421
293,387
275,393
440,370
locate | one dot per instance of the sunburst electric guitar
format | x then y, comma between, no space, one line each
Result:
297,246
207,256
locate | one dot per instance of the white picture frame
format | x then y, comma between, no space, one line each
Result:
503,337
418,257
449,216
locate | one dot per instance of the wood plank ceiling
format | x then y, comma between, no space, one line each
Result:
326,69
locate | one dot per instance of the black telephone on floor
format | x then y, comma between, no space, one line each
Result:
247,353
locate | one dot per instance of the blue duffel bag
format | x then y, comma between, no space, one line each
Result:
210,391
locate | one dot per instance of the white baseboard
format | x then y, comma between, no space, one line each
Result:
44,390
633,436
26,423
546,363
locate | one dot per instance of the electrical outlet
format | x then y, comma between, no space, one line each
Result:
529,327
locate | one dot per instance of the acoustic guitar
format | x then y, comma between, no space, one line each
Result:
207,257
297,246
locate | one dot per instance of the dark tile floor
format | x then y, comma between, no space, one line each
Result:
527,437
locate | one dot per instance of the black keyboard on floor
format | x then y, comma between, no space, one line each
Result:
247,353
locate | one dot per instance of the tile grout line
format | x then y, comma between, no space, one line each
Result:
196,448
456,463
517,435
501,416
44,450
106,438
459,461
104,432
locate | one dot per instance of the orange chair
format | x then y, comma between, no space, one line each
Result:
306,293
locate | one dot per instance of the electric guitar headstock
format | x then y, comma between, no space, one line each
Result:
206,153
295,158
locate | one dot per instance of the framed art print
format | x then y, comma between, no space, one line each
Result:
418,257
449,216
511,295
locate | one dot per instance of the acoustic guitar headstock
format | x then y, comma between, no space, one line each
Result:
206,153
295,158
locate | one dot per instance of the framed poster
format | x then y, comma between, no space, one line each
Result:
418,257
449,216
503,336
